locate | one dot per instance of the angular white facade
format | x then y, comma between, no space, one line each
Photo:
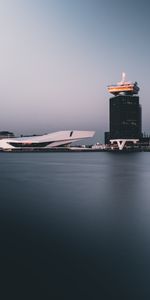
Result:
51,140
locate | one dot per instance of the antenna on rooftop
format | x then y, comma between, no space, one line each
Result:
123,77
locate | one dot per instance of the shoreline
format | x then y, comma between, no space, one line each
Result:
73,150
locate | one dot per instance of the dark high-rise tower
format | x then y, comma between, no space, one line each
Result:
124,111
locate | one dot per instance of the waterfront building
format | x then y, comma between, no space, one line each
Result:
46,141
124,112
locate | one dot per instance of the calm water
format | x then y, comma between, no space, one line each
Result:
75,225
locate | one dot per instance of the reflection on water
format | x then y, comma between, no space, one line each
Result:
75,225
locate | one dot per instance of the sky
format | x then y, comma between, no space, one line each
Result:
57,58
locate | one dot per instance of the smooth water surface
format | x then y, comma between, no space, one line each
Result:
75,225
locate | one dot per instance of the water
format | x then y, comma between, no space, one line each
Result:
75,225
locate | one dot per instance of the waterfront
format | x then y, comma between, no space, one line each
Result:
75,225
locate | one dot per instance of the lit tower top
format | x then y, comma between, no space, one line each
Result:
126,87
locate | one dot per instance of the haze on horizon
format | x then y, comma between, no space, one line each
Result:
58,56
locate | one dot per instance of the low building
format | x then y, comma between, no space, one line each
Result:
6,134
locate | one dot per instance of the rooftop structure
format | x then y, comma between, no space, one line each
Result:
127,87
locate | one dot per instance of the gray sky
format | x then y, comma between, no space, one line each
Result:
58,56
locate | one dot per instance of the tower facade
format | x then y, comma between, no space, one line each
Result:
125,120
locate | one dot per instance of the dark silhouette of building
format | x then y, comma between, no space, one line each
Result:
6,134
125,117
124,112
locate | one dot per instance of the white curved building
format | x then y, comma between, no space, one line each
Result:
51,140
